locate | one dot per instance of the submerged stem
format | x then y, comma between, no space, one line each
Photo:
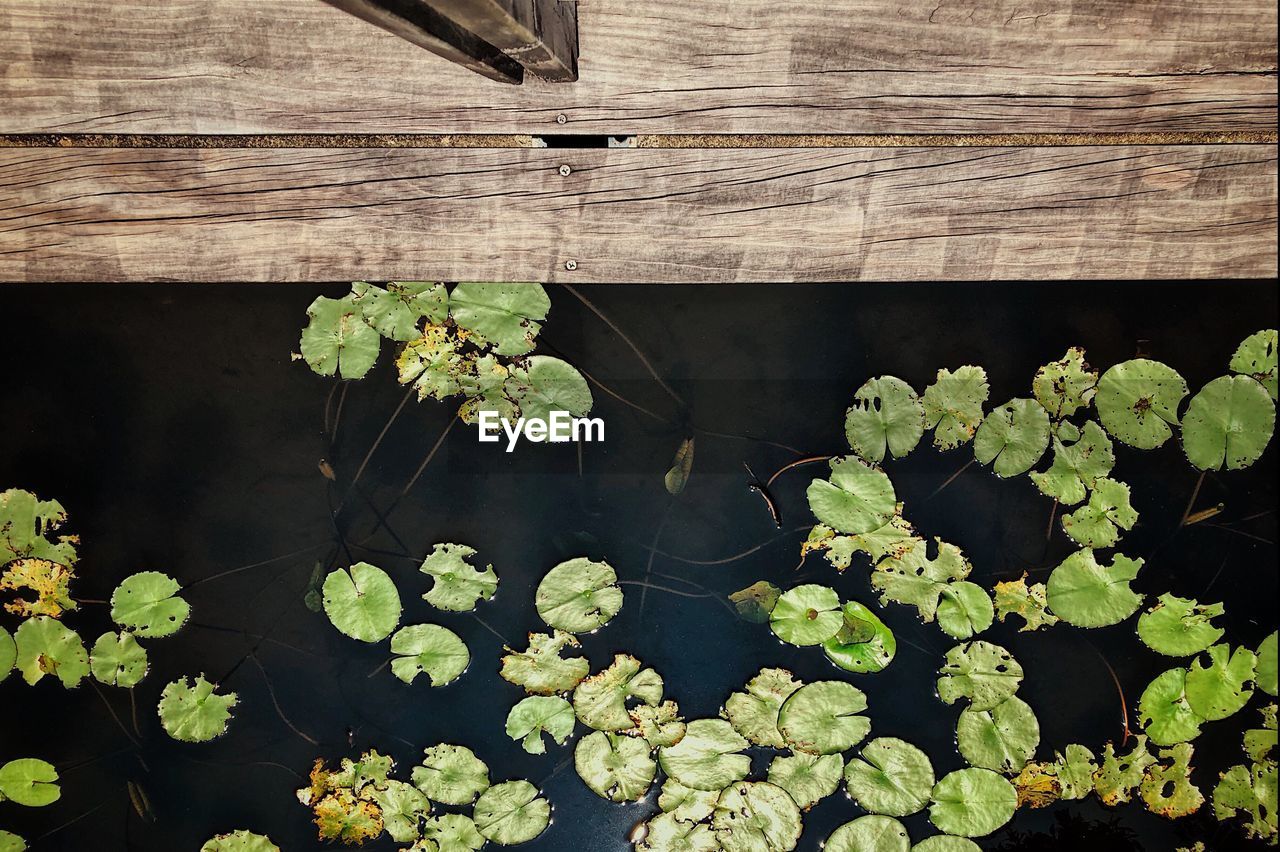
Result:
279,712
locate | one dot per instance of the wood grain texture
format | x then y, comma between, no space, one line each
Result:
716,66
638,215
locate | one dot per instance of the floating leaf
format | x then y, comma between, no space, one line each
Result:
1003,738
1249,792
964,610
362,602
614,767
1179,627
1266,671
1120,775
756,602
824,717
660,725
1228,424
893,539
194,713
807,615
1063,387
397,311
946,843
403,807
857,498
1165,712
46,646
538,713
1031,602
344,817
1037,785
953,405
432,365
753,815
891,777
915,579
1256,357
511,812
429,648
708,757
1077,465
1220,689
10,842
337,340
579,596
972,802
26,524
1085,593
754,711
984,673
118,660
239,841
869,834
451,775
863,643
1013,437
458,585
8,653
451,833
886,415
685,803
678,474
1098,523
29,781
50,582
147,604
504,315
484,384
1138,402
665,833
541,669
543,385
601,700
1168,790
1259,742
808,778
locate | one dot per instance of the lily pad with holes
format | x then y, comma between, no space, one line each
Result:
615,767
1030,601
824,717
863,644
194,712
755,816
1065,386
1256,357
660,725
511,812
118,660
362,602
337,340
1138,402
579,596
45,646
49,581
753,712
1179,627
891,777
685,803
429,648
1098,523
1119,775
541,669
397,310
451,833
1013,437
964,609
953,405
600,701
886,416
984,673
806,615
665,833
1003,738
856,498
1164,711
708,758
451,775
1077,465
457,585
239,841
506,316
1228,424
1250,793
542,385
972,802
148,605
1085,593
1221,686
403,807
432,365
30,782
539,714
27,525
916,579
808,778
1167,789
1266,669
869,834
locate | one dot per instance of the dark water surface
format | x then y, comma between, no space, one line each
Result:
174,428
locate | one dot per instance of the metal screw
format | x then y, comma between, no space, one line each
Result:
562,118
571,265
565,171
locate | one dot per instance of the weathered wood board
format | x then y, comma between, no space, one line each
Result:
638,215
672,66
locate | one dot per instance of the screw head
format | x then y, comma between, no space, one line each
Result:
562,118
565,171
571,265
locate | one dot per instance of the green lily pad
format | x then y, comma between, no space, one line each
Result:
1266,670
1120,774
807,615
10,842
537,714
1256,357
755,603
579,596
337,340
451,833
27,524
1164,711
403,807
964,610
46,646
429,648
1250,793
1228,424
484,384
432,364
614,767
708,758
8,653
863,644
953,405
457,586
541,669
869,834
362,603
808,778
660,725
1030,601
1221,688
1003,738
1098,522
148,605
685,803
1138,402
451,775
542,385
1065,386
824,717
504,315
857,498
1074,768
397,310
194,713
30,782
1179,627
946,843
1167,789
1260,742
118,660
916,579
600,701
239,841
984,673
972,802
1077,465
891,777
1085,593
1013,437
753,713
511,812
886,415
755,816
665,833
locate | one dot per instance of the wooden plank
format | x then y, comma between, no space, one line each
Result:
542,35
638,215
715,66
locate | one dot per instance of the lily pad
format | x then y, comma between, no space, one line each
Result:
451,833
755,603
953,405
1037,785
753,713
46,646
755,816
1266,670
614,767
504,315
824,717
1098,523
660,725
429,648
677,476
451,775
1003,738
808,778
1065,386
50,581
579,596
1250,793
1013,437
194,713
1120,774
403,807
541,669
1077,465
869,834
916,579
1179,627
148,605
432,365
1221,688
857,498
984,673
1256,357
511,812
807,615
665,833
972,802
118,660
8,653
886,415
362,603
537,714
685,803
337,340
397,311
1228,424
1260,742
708,758
27,524
964,610
1164,711
1075,767
10,842
542,385
1167,789
1138,402
891,777
458,586
946,843
863,644
600,701
30,782
239,841
1030,601
1085,593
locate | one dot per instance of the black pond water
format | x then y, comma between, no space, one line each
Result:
173,426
